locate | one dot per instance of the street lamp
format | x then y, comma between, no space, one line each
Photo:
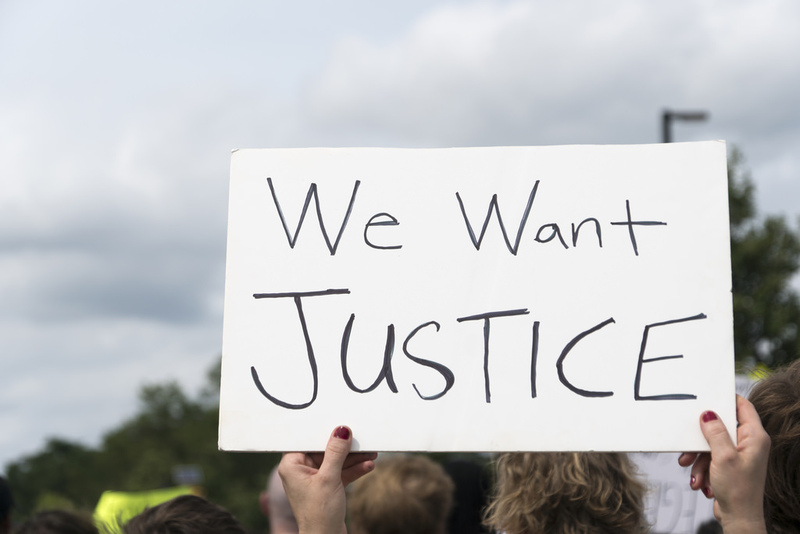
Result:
668,116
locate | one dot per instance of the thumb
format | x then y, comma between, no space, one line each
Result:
336,453
717,435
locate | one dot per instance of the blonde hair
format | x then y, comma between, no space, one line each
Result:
405,493
567,493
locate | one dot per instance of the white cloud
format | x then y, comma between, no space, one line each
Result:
575,72
79,379
118,124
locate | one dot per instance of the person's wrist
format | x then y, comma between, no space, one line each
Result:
322,527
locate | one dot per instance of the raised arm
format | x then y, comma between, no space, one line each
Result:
315,482
734,475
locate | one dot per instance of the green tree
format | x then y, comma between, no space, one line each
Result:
170,429
62,472
765,256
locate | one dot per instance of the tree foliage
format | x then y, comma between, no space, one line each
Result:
765,256
169,430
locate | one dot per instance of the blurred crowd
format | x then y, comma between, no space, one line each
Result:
755,484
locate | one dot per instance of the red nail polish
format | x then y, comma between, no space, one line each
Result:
709,416
706,492
692,481
342,433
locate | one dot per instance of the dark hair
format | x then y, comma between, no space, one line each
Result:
777,401
187,514
711,526
473,483
6,503
57,522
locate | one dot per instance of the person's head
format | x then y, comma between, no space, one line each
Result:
777,401
57,522
275,506
405,493
472,484
567,492
6,503
711,526
187,514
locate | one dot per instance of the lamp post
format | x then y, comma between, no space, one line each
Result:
668,116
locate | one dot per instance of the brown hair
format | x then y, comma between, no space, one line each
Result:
777,401
405,493
567,493
187,514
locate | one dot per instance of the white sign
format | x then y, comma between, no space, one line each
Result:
478,299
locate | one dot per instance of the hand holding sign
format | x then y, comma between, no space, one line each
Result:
733,474
315,483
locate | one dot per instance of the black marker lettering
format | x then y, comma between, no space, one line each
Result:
386,370
631,223
534,356
560,364
309,349
642,360
447,374
555,231
486,318
493,206
391,222
575,231
312,192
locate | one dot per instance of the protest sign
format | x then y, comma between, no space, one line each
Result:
477,299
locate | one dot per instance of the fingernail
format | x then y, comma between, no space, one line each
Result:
692,481
706,491
709,416
342,433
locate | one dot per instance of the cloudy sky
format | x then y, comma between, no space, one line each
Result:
117,121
